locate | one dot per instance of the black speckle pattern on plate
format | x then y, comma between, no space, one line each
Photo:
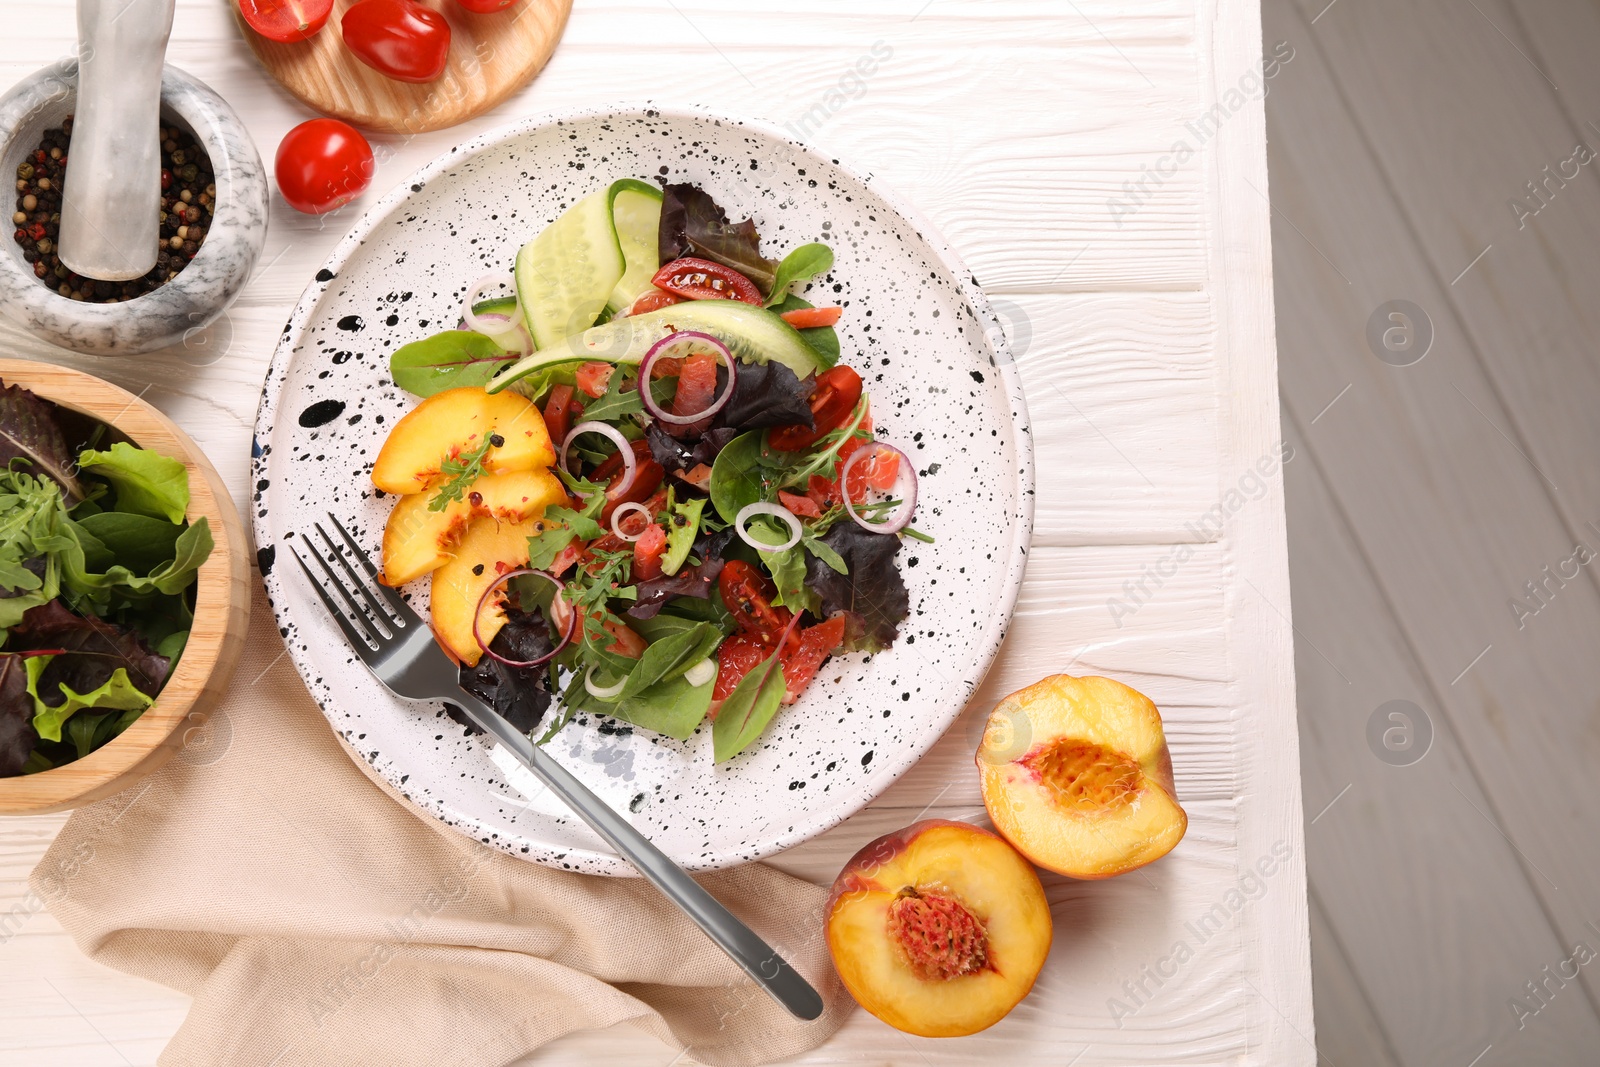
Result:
915,325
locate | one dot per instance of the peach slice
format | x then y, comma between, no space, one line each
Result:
1076,774
455,421
418,539
488,550
939,929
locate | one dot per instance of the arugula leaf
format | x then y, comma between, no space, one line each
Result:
34,531
617,402
800,264
748,709
117,693
693,225
448,360
463,469
29,431
147,483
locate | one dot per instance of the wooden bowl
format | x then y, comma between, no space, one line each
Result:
221,611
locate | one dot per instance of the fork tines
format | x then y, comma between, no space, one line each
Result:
372,615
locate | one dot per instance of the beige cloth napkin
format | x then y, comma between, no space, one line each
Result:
317,918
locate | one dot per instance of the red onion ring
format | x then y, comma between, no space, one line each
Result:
566,638
906,472
777,511
624,446
685,338
513,338
476,322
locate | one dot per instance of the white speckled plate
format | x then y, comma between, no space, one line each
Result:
917,327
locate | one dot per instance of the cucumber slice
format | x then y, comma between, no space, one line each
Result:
566,274
636,214
500,305
752,334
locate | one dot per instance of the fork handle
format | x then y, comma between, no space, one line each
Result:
742,944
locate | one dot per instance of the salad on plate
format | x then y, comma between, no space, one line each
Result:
642,480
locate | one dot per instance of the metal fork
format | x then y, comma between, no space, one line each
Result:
400,649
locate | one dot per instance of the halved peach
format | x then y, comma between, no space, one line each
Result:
459,420
1076,774
939,929
418,539
488,549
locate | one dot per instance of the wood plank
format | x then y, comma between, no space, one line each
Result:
1427,483
1347,1031
1386,840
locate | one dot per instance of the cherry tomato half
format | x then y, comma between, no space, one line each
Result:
748,595
286,21
835,396
398,38
485,7
322,164
559,409
654,300
701,279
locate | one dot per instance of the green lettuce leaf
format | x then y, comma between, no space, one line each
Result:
118,693
447,360
147,483
799,265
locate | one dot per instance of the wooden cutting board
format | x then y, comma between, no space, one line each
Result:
491,57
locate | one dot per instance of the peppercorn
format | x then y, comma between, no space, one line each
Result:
25,171
30,202
44,183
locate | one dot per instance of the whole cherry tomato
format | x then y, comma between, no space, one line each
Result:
485,7
835,396
286,21
700,279
398,38
322,164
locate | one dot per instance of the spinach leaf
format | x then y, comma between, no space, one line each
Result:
29,431
669,657
447,360
147,483
674,708
693,225
801,264
136,542
743,474
748,709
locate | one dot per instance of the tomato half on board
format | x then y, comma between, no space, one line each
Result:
700,279
286,21
833,399
400,39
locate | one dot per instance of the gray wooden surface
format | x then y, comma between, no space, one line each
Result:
1422,501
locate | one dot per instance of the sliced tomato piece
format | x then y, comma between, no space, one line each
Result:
801,505
593,377
654,300
647,478
811,318
748,595
736,657
558,413
624,641
801,664
647,553
833,400
694,278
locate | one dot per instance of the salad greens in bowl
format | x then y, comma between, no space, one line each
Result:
705,456
113,558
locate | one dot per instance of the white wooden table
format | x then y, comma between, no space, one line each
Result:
1101,166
